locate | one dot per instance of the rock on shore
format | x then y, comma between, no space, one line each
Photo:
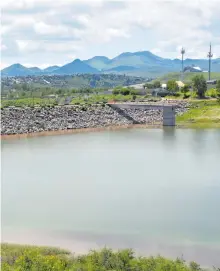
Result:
39,119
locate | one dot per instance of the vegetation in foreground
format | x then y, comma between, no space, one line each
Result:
18,257
201,114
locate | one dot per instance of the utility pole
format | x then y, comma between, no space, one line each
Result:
210,55
182,53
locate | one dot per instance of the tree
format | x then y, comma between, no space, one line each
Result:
115,91
73,91
133,92
172,86
184,90
25,87
157,84
149,86
125,91
199,85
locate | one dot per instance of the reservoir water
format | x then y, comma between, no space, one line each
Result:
153,190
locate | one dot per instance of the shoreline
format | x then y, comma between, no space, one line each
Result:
80,130
106,128
29,122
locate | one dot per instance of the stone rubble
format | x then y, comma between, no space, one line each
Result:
29,120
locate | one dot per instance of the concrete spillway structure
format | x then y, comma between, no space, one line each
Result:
169,118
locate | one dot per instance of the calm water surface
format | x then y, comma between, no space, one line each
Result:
157,191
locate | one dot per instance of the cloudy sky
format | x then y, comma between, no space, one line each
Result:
54,32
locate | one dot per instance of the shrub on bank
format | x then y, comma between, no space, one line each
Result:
46,259
28,102
212,92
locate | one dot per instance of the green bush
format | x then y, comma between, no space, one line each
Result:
186,95
115,91
133,92
29,258
212,92
199,85
172,86
125,91
28,102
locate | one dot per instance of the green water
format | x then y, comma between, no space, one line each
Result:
152,189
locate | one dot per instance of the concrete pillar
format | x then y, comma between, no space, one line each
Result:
169,118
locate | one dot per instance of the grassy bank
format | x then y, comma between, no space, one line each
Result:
202,114
18,257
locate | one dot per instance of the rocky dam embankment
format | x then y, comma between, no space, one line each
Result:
41,119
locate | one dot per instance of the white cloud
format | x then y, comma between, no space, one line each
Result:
22,45
3,47
57,29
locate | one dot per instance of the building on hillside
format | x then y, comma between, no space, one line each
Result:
192,69
211,82
164,86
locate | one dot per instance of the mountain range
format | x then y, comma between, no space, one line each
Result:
142,63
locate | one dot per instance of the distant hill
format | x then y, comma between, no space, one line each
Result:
35,69
121,69
51,69
98,62
137,59
77,66
16,70
142,63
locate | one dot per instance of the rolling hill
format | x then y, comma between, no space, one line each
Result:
51,69
142,63
98,62
77,66
17,70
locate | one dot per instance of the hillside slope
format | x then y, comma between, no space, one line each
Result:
142,63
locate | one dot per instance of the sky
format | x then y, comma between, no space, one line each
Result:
55,32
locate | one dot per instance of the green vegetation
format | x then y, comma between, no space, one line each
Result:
81,99
67,82
172,86
218,90
28,258
28,102
197,89
95,99
212,92
199,85
201,114
186,91
155,84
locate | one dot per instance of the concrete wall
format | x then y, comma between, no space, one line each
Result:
169,118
